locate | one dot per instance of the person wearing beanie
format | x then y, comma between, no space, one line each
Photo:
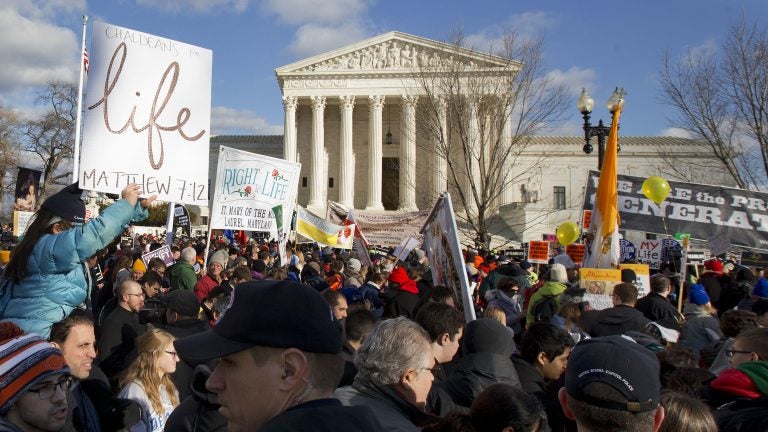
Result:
214,276
35,382
555,285
402,296
701,326
139,268
714,281
46,271
352,273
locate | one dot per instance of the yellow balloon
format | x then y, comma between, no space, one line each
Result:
567,233
656,189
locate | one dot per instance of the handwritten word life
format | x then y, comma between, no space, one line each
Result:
158,105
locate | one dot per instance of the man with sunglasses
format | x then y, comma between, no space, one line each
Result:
34,382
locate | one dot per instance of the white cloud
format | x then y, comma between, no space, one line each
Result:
231,121
525,25
196,6
316,38
34,51
315,11
675,132
575,78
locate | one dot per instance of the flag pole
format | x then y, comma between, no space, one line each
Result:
78,122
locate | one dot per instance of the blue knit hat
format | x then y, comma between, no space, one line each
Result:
761,288
699,295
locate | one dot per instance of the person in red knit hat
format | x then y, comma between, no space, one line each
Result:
402,295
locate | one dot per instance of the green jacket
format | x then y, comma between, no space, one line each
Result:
549,288
182,276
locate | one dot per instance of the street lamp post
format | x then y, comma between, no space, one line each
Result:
585,105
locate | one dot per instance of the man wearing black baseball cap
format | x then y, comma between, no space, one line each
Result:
280,361
612,383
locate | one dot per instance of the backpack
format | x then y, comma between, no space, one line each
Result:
544,308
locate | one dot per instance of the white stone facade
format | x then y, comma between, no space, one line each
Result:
341,105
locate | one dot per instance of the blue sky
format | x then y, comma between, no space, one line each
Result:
596,44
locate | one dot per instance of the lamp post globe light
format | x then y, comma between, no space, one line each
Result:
585,104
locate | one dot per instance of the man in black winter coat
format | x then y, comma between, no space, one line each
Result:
619,319
656,307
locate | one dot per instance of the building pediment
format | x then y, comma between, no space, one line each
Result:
392,53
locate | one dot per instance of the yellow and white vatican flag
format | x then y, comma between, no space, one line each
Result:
324,232
604,250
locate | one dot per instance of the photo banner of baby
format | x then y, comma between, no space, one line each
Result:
147,111
247,188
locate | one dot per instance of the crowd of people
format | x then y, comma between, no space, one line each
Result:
93,338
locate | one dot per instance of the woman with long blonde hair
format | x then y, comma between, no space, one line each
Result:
148,382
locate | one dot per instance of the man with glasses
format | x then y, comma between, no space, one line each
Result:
34,381
741,392
120,329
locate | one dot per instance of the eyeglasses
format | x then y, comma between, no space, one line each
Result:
431,370
137,295
47,391
733,352
173,354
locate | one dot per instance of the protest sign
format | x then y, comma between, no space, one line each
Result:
628,251
642,277
164,253
719,243
21,220
381,229
599,284
324,232
441,244
405,247
248,187
576,252
697,209
754,259
586,220
147,116
538,251
27,189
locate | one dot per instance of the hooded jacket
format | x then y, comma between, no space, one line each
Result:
550,288
56,282
513,271
488,346
182,276
200,411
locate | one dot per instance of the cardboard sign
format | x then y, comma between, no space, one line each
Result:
21,220
719,243
163,253
642,277
599,284
576,252
587,220
147,116
538,251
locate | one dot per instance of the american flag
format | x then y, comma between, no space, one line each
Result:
85,59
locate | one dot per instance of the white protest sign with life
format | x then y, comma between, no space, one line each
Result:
147,116
248,186
719,243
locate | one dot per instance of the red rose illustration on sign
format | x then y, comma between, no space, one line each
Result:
275,173
247,190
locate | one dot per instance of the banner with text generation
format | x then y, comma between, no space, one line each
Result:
383,229
700,210
441,244
147,116
248,186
